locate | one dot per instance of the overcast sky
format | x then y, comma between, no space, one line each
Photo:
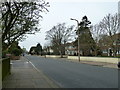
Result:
62,10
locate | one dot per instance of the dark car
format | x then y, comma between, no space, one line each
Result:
118,64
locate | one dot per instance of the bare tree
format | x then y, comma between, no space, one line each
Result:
19,18
59,35
110,24
110,27
96,34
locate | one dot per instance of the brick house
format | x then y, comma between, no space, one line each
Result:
110,48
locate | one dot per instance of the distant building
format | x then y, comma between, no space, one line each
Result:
48,50
107,49
70,49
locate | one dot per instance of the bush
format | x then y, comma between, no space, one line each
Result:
16,52
4,54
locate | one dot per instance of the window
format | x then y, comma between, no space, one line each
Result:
105,51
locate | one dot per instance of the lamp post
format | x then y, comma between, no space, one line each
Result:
78,38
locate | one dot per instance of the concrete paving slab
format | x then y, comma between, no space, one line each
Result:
24,75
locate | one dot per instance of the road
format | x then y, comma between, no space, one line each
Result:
76,75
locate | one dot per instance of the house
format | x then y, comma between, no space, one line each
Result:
48,50
110,46
70,49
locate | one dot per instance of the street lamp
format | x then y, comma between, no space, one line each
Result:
78,37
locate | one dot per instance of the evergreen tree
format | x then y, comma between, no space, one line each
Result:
86,41
39,49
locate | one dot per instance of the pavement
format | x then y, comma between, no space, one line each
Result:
25,75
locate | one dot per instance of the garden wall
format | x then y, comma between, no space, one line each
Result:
96,59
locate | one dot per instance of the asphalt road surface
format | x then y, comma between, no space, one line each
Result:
76,75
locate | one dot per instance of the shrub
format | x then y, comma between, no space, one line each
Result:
4,54
16,52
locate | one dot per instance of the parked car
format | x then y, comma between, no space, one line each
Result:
118,64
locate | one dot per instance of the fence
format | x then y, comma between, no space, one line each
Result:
5,67
0,74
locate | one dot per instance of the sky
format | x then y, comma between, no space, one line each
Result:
62,10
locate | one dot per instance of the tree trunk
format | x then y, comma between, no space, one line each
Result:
61,54
95,52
